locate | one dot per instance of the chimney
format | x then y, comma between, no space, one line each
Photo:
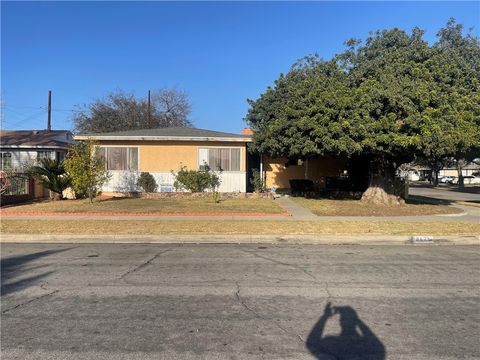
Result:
247,131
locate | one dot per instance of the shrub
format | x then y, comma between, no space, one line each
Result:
87,168
196,180
257,181
147,182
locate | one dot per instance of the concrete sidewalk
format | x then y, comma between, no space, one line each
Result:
238,239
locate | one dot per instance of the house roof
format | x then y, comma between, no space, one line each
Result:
35,138
169,133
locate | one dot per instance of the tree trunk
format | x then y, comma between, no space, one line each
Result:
435,177
381,187
460,164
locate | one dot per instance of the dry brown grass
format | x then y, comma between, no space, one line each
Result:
242,227
327,207
164,206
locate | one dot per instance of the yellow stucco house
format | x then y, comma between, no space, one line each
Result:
161,151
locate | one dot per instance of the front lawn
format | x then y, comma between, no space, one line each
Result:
328,207
149,206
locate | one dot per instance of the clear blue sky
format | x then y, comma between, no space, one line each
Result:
221,53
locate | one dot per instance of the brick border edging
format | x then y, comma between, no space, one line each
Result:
85,214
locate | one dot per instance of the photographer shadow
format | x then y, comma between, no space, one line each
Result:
355,341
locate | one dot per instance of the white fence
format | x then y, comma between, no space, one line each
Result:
126,181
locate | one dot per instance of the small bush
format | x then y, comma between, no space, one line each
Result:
147,182
257,181
196,180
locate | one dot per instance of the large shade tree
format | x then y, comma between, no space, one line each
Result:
120,111
387,100
456,64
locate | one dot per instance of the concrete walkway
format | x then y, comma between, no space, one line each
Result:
297,211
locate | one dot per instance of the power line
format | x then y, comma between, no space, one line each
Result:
23,117
28,118
69,110
38,108
16,112
23,107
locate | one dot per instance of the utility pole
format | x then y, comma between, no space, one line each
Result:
49,122
149,112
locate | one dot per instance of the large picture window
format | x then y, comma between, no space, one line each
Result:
120,158
224,159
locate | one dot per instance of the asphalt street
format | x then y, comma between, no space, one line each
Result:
156,301
445,193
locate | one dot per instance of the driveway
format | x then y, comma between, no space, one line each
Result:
239,302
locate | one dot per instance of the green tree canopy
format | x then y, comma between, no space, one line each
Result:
390,99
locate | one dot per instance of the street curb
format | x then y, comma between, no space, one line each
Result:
237,239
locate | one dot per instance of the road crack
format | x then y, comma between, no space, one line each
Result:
327,290
283,263
315,280
143,264
260,317
30,301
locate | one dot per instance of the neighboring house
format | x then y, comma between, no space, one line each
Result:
161,151
20,148
426,173
467,170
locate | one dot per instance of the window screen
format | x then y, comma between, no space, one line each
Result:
224,159
120,158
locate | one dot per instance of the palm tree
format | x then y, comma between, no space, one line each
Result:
52,175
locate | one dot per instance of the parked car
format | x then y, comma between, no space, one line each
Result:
469,179
446,179
413,175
